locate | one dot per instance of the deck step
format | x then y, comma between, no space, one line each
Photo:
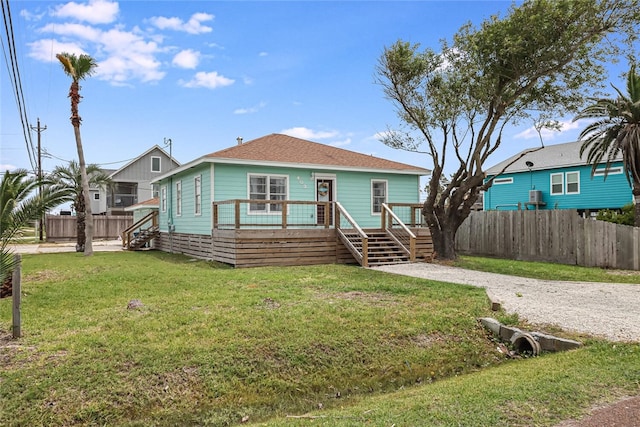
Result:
382,250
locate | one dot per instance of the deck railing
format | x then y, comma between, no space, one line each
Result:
409,213
148,223
353,237
282,214
398,231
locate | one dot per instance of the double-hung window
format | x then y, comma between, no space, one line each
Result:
557,184
198,194
163,199
155,164
179,198
267,187
378,195
573,182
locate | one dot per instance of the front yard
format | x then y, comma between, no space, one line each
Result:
211,345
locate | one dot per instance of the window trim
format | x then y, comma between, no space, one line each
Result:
566,182
96,196
551,184
159,164
197,195
179,198
163,198
503,181
268,177
386,195
614,170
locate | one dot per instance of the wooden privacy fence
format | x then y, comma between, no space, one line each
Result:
550,235
63,227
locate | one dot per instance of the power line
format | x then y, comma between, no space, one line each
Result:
14,73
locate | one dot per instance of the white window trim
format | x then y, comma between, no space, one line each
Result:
386,195
502,181
179,198
615,170
561,192
159,164
163,198
566,182
197,205
268,176
96,196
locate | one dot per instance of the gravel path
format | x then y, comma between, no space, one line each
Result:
609,310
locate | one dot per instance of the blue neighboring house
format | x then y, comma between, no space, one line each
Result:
555,177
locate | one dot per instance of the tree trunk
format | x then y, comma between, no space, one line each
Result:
80,223
444,238
88,220
636,202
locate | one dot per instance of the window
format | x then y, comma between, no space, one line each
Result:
612,171
499,181
96,196
179,198
198,195
155,189
378,195
557,183
155,164
267,187
163,199
573,183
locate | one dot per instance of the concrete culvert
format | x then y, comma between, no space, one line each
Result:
525,344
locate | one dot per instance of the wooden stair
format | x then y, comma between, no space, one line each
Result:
381,249
143,237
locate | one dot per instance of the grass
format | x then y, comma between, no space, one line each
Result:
547,271
213,346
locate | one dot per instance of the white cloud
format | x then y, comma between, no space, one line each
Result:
565,126
7,167
30,16
342,143
80,31
262,54
192,26
250,110
187,58
306,133
46,49
210,80
94,12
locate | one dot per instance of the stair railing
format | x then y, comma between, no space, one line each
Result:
402,235
357,241
129,231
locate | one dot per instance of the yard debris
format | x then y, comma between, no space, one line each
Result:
270,303
134,304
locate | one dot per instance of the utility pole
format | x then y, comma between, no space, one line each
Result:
40,130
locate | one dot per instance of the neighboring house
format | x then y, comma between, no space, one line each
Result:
132,182
555,177
200,198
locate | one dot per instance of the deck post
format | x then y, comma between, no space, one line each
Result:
412,249
327,214
237,214
284,215
365,252
214,209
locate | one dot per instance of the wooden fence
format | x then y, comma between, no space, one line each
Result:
550,235
63,227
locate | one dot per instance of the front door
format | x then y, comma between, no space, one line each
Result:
324,193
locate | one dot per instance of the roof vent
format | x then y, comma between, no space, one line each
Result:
239,139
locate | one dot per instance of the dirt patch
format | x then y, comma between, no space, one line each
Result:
373,298
42,276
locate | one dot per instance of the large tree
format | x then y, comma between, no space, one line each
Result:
79,67
70,178
616,132
536,64
21,202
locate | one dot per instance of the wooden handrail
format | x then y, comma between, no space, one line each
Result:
411,250
126,234
363,255
285,221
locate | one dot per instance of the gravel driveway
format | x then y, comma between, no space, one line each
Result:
609,310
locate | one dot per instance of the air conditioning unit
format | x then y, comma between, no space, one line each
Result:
535,196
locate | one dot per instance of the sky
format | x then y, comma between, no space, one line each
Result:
202,73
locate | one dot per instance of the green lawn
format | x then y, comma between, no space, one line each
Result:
212,345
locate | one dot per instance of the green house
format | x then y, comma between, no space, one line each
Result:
283,194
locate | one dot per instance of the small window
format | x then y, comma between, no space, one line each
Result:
378,195
155,164
198,195
557,183
155,189
163,199
573,183
179,198
267,187
612,171
499,181
96,196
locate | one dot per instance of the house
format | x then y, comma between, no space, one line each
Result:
132,182
556,177
212,206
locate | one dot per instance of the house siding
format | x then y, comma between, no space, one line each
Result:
594,193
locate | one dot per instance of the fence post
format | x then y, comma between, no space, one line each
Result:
16,293
284,214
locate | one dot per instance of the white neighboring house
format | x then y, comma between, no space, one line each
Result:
132,182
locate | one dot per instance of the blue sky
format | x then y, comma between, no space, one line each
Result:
203,73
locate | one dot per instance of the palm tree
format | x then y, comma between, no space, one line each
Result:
70,178
617,131
21,203
79,68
